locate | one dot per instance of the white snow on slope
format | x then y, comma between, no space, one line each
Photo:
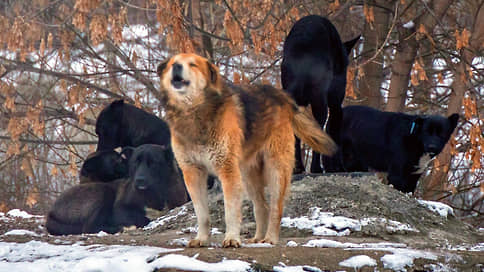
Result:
327,224
358,261
22,214
38,256
186,263
400,258
437,207
172,215
21,232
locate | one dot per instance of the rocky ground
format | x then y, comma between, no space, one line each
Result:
328,219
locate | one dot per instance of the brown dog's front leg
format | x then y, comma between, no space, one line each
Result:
196,182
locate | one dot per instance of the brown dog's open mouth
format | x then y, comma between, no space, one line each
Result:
178,82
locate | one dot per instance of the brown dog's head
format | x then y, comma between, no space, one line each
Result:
186,75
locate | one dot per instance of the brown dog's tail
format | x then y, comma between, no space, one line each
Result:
308,130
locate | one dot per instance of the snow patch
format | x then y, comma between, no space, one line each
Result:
327,224
182,262
409,24
467,247
437,207
358,261
22,214
396,262
41,257
179,242
21,232
266,245
298,268
102,234
323,223
291,244
172,215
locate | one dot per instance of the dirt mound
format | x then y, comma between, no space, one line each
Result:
382,212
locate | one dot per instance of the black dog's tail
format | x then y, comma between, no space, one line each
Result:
57,227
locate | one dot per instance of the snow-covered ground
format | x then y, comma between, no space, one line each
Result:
62,255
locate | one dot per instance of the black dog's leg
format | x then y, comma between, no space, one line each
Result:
398,178
98,221
129,216
319,108
333,128
298,166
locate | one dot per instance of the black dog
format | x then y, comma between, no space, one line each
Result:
91,207
396,143
104,166
153,170
122,125
313,71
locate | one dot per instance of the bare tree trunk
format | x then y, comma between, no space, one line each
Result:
407,49
435,186
373,72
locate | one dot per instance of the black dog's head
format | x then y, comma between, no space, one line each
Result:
434,131
153,171
104,166
108,126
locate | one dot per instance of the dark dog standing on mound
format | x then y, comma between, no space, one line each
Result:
122,125
397,143
104,166
313,71
154,181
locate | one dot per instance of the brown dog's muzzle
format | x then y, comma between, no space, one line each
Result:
177,76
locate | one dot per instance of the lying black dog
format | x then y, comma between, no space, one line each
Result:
397,143
104,166
313,71
154,181
122,125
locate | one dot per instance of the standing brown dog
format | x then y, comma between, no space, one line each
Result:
243,136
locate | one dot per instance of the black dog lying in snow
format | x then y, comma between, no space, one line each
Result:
108,206
313,72
397,143
121,125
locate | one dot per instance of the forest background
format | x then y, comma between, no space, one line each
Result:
61,62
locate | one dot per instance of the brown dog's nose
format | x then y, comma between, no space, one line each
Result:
177,69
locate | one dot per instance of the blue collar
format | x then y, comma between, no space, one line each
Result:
412,128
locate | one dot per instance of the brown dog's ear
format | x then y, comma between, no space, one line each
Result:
212,69
161,67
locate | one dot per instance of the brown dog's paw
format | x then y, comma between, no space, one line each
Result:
254,240
231,243
197,243
268,240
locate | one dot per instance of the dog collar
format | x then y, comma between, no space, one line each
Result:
412,128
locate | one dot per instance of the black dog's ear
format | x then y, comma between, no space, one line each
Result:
161,67
349,44
168,153
453,119
117,103
127,152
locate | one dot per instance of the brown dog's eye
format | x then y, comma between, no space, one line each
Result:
193,65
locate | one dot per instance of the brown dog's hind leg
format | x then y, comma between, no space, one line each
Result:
253,179
196,182
279,162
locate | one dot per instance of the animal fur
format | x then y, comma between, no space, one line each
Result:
245,136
